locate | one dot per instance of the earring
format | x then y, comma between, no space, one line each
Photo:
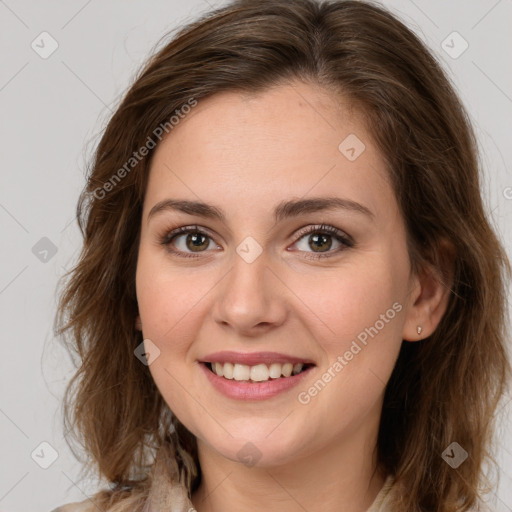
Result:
419,329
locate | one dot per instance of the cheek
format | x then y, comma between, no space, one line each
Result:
170,309
345,302
168,297
357,315
171,305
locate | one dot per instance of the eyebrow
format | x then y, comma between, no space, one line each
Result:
284,210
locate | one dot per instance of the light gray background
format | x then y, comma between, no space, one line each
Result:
53,110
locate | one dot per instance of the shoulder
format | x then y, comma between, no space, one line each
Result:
483,507
385,500
77,506
381,502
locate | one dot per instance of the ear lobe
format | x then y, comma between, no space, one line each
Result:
433,288
138,323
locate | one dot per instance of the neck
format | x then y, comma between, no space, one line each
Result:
344,472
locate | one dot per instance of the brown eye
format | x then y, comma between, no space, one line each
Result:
185,241
196,242
318,242
320,239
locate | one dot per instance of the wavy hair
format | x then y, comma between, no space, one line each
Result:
445,388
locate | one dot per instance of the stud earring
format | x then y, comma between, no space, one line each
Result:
419,329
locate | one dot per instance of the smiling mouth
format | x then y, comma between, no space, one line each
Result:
257,373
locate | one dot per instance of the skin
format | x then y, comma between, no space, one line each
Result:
245,154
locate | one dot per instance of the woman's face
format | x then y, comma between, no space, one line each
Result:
260,285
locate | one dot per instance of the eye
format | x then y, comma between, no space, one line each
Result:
187,238
318,238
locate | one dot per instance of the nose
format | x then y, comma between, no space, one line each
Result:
251,299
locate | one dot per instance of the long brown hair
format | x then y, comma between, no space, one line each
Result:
443,389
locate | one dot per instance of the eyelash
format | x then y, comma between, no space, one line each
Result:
339,235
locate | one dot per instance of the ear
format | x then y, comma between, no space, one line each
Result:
138,323
430,294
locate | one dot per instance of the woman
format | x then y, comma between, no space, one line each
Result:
289,295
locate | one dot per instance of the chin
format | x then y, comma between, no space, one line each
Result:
258,449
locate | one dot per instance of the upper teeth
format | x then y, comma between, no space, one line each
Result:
259,372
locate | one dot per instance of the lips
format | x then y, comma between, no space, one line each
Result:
254,376
253,391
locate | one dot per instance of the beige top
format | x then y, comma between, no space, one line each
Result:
181,502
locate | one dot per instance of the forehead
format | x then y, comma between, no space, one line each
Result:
251,151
